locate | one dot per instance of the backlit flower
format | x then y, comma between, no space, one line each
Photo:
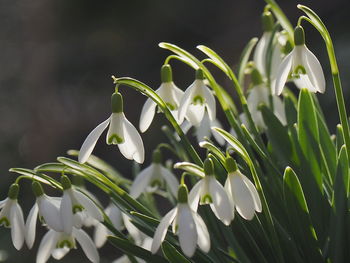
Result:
120,132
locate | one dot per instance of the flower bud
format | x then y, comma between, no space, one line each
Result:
157,156
199,74
117,102
256,77
13,191
166,73
299,36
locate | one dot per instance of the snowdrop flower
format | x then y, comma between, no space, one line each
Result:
74,202
58,244
169,93
259,94
186,223
120,132
241,191
302,65
196,99
153,177
11,216
209,191
47,208
101,231
204,129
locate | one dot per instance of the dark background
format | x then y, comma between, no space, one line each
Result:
57,58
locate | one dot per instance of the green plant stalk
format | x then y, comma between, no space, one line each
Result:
143,88
316,22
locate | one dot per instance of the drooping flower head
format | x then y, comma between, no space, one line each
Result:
186,223
302,66
153,177
120,132
169,93
11,216
209,191
196,100
241,191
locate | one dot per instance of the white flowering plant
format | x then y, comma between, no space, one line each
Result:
271,187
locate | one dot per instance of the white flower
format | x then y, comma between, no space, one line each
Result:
11,216
74,202
47,208
209,191
303,67
101,231
120,132
187,224
151,178
169,93
204,129
58,244
260,95
196,99
241,191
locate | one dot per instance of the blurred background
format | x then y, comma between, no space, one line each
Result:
57,58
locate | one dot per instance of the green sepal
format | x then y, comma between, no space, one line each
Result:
66,183
37,189
267,21
13,191
199,74
182,194
299,36
166,74
117,102
231,165
157,156
256,77
208,167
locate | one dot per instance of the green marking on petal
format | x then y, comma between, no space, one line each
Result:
156,183
77,208
206,199
115,139
65,243
5,222
198,100
300,70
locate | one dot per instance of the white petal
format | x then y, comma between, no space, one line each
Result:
3,202
228,190
304,82
314,70
141,181
204,129
242,197
178,94
31,226
132,148
203,233
195,114
115,215
186,101
100,235
59,253
147,114
254,193
194,195
161,230
90,141
260,53
133,231
17,225
221,204
210,103
122,259
187,230
87,245
66,213
47,244
115,134
170,179
282,74
89,205
49,210
218,138
278,109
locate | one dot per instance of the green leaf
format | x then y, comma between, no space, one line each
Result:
214,150
191,168
300,223
129,248
30,174
278,136
245,58
172,255
340,211
290,110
